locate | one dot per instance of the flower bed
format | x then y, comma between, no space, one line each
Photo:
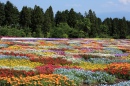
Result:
64,62
121,70
37,80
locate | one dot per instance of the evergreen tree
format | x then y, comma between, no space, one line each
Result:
51,15
11,14
93,19
123,27
47,23
98,23
16,16
34,22
2,13
115,27
64,16
58,18
79,16
84,26
72,18
108,23
128,29
61,17
103,31
37,20
25,17
66,12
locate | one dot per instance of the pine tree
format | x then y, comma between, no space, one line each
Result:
58,18
123,27
47,23
108,23
64,16
61,17
128,29
115,27
98,23
72,18
25,17
11,14
37,20
51,15
2,13
93,19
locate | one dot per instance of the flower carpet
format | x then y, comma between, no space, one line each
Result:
64,62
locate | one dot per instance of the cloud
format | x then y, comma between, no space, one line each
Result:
125,2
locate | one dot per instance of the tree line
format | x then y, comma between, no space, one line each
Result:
34,22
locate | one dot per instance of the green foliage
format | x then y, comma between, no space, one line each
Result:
99,77
84,26
107,24
61,17
71,18
48,22
2,13
93,20
27,31
11,14
51,15
37,17
37,21
65,24
25,17
88,77
62,30
47,25
128,37
39,32
73,74
9,31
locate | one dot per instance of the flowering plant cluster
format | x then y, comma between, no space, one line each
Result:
54,61
18,62
113,51
121,70
106,60
37,80
87,77
123,83
15,73
49,68
63,62
91,66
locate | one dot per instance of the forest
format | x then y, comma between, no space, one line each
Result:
35,22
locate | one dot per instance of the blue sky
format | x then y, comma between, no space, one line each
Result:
102,8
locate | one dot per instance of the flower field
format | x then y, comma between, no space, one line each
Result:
64,62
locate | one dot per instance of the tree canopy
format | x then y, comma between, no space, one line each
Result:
36,22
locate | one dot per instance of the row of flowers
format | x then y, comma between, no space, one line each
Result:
120,70
37,80
87,77
68,48
60,76
81,61
18,62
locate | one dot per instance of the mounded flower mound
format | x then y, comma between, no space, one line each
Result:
121,70
64,62
37,80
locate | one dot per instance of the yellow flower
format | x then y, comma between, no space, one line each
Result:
91,66
18,62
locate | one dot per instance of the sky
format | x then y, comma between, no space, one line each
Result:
102,8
